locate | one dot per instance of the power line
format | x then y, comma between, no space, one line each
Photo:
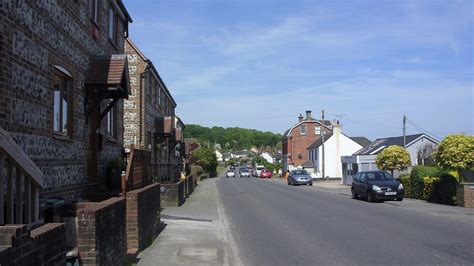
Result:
422,129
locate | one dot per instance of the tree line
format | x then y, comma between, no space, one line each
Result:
232,138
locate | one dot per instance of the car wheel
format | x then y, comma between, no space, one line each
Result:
369,197
310,184
400,199
353,194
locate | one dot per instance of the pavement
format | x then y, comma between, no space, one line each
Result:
276,224
193,234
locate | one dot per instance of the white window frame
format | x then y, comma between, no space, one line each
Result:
317,130
111,123
62,116
303,132
112,34
94,10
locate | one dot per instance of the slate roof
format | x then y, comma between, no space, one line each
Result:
308,164
319,142
362,141
379,144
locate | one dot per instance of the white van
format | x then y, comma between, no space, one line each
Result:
258,170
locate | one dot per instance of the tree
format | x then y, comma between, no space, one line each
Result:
393,158
207,159
425,154
456,152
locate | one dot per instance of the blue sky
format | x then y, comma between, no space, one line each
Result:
260,63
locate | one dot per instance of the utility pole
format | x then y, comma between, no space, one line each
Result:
322,137
404,131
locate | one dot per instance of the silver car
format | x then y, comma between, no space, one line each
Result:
244,173
299,177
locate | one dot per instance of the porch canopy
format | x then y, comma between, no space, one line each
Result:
107,82
108,79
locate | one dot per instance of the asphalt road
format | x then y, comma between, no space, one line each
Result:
276,224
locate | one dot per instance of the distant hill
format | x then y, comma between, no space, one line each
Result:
233,137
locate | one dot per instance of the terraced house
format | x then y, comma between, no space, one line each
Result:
151,123
63,79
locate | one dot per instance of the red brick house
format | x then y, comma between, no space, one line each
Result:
299,137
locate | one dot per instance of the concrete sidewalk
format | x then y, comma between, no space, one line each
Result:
194,234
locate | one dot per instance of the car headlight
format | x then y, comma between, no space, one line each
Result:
400,186
375,188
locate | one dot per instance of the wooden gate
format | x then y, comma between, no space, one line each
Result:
137,174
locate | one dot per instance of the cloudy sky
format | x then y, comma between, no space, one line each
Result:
260,63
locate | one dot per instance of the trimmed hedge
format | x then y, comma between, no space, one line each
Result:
416,179
430,184
444,190
405,180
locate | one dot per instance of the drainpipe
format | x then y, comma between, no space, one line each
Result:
142,99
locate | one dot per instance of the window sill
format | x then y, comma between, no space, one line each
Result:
62,137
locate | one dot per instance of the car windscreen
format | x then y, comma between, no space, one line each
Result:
299,172
244,171
379,176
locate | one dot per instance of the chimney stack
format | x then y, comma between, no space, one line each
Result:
300,118
308,115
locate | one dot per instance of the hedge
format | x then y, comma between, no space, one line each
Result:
444,190
430,184
416,179
405,180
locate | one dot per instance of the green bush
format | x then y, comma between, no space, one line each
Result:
416,179
405,180
445,190
429,187
207,159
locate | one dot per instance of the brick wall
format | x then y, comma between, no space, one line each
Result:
101,232
143,217
34,37
172,194
44,245
465,195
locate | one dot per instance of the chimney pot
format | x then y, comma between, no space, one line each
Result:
308,115
300,118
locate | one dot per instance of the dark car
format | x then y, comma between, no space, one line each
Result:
299,177
376,185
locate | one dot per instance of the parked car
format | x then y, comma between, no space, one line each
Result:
258,169
230,173
265,173
299,177
376,185
244,172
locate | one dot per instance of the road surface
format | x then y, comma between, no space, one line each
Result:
276,224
